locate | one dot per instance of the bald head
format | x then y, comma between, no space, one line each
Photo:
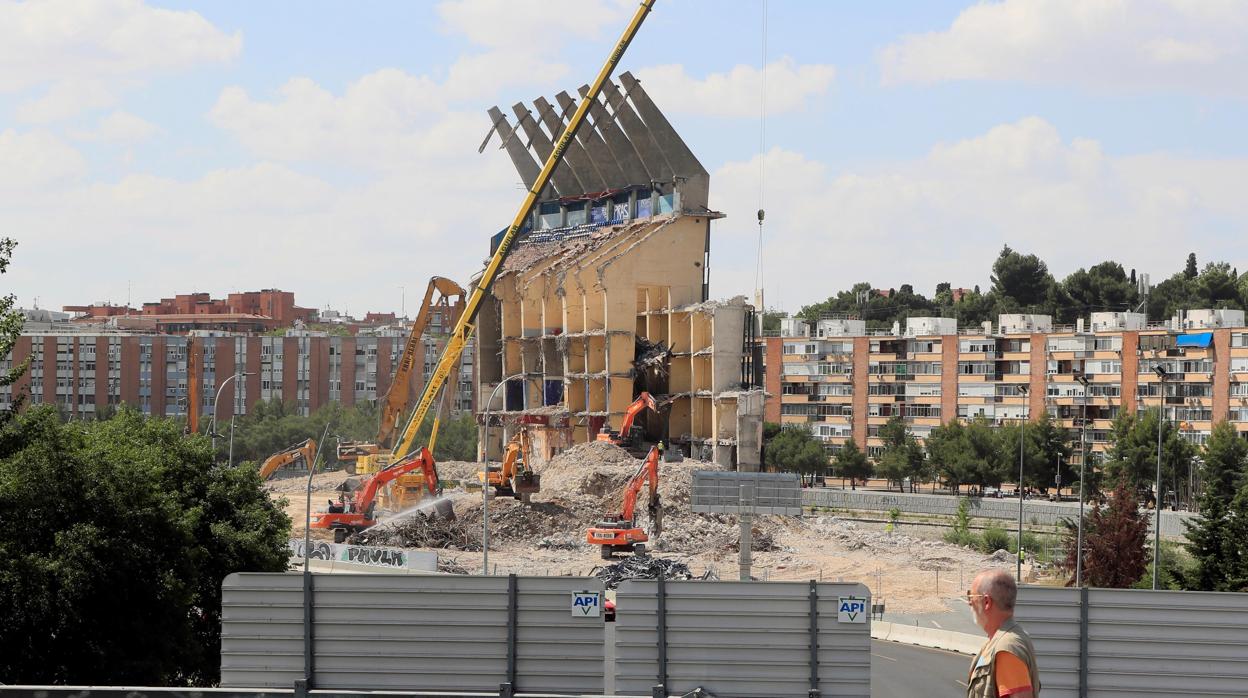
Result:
999,585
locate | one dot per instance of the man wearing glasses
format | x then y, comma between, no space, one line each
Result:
1006,665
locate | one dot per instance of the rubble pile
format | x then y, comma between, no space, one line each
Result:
421,531
641,567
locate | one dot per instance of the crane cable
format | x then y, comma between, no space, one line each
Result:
762,144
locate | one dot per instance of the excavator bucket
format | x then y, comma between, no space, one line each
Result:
442,509
528,483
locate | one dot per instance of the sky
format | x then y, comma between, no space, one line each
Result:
330,149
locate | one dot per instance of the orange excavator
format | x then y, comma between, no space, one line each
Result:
305,451
346,517
625,435
514,478
621,534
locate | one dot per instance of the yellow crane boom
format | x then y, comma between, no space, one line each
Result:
464,327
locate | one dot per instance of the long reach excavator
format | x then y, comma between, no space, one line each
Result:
621,533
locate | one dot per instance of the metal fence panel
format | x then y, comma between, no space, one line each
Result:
1140,642
740,639
386,632
719,492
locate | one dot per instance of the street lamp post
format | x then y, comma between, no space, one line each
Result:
1083,464
1022,430
485,485
1161,413
215,403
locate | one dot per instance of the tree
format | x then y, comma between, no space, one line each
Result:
1216,538
1133,453
950,454
10,329
1190,269
850,462
1023,279
1115,538
117,535
1226,458
1102,287
903,456
795,449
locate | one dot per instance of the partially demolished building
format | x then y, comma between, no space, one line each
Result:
606,293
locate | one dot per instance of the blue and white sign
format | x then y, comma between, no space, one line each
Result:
851,609
586,604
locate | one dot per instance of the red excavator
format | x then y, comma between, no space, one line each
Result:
625,436
621,534
347,517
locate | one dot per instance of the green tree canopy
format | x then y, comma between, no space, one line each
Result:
117,535
10,329
1022,279
1133,453
850,462
795,449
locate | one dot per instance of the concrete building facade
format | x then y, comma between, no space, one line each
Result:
82,371
848,384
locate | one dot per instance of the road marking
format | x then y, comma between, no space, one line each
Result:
873,654
960,682
937,625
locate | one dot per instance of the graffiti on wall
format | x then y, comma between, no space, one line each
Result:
396,558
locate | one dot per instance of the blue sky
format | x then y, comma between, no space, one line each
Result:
330,148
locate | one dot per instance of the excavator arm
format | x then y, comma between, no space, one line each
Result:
621,533
397,397
643,402
647,473
305,451
422,460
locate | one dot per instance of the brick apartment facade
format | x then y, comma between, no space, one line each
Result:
844,382
82,371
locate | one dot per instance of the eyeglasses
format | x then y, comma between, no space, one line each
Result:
970,598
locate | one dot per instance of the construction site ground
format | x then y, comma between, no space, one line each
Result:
910,566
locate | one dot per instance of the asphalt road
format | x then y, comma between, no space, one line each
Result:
902,671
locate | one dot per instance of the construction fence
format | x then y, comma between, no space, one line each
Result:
1036,513
507,635
1112,643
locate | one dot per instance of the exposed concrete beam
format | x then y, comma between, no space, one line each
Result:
584,167
596,147
684,163
623,150
564,175
652,157
526,167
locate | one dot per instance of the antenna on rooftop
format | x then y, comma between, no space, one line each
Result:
762,167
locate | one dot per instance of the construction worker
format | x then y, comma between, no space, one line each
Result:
1006,665
660,447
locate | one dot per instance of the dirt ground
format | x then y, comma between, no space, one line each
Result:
911,571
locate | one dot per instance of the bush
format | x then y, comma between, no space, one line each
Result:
995,538
963,538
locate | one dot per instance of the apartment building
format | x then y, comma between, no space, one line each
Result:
845,382
80,371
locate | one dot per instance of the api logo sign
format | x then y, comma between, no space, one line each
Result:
851,609
586,604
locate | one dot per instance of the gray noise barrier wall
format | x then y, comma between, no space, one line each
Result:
411,633
1134,642
737,639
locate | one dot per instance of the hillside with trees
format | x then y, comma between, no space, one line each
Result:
1022,283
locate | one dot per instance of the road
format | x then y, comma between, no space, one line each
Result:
902,671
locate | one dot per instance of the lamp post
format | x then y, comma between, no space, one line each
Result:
485,485
1083,462
215,403
1022,430
1161,413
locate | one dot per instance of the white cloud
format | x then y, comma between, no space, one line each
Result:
945,216
64,100
120,127
85,40
36,159
1114,44
737,92
502,23
387,119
